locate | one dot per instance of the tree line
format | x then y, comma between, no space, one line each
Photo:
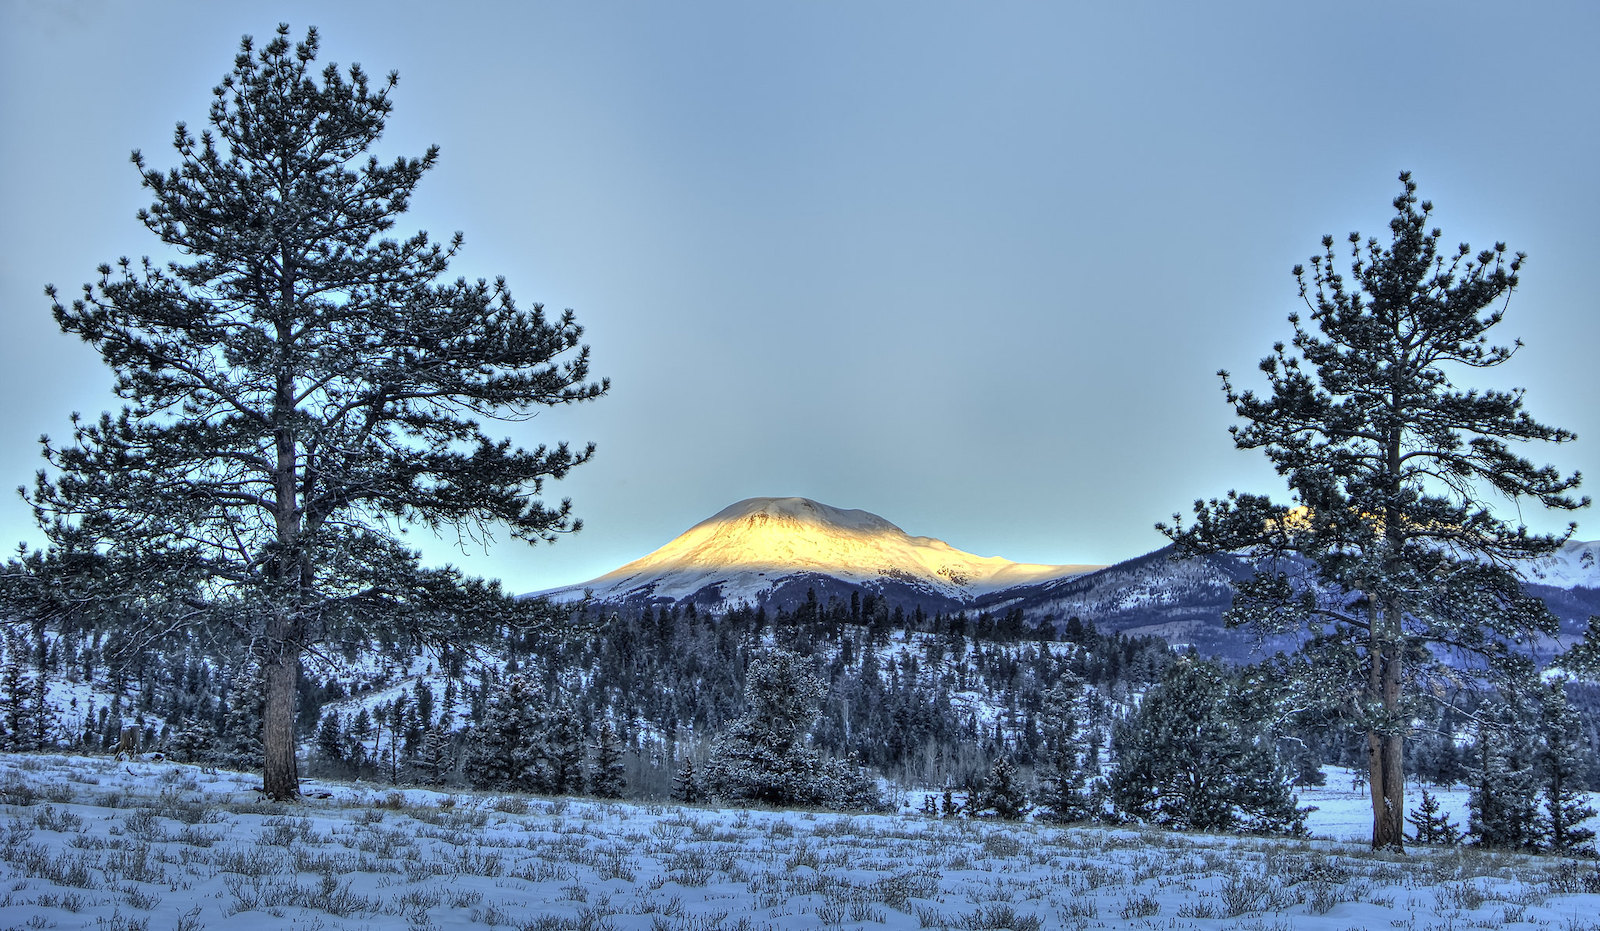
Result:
811,708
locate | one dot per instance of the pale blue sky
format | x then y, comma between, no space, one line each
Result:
971,267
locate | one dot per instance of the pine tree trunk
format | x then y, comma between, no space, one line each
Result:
1388,793
1385,742
280,776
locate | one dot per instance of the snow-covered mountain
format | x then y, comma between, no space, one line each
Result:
1574,565
772,550
1158,594
775,551
1181,601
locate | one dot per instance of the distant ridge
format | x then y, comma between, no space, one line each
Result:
760,549
775,552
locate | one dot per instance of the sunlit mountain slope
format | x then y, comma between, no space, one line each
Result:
745,551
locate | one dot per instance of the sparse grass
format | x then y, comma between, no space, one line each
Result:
422,861
15,790
511,804
50,818
1139,905
1002,916
1250,892
69,901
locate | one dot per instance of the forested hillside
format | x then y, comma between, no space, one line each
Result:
921,698
633,705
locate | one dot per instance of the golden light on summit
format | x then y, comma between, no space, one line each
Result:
748,545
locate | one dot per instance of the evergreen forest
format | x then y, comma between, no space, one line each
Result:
858,705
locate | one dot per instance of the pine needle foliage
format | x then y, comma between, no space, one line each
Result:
1561,769
1432,823
1194,756
1388,552
686,784
765,755
300,387
1503,801
607,773
1070,760
1002,795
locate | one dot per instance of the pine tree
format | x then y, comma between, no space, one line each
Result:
1503,801
193,742
396,716
424,703
1434,755
361,728
437,757
239,742
331,739
565,740
606,779
1002,794
507,749
686,784
1187,758
1432,824
24,713
948,806
449,701
1560,770
16,712
44,713
297,387
845,784
763,755
1069,757
1388,549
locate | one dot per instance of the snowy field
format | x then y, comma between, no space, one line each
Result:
92,843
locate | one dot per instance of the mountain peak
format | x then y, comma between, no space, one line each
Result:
785,512
747,549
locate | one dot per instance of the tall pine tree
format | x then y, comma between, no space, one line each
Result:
298,385
18,712
1388,549
507,750
566,744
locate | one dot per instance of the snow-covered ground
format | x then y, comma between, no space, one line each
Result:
93,843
